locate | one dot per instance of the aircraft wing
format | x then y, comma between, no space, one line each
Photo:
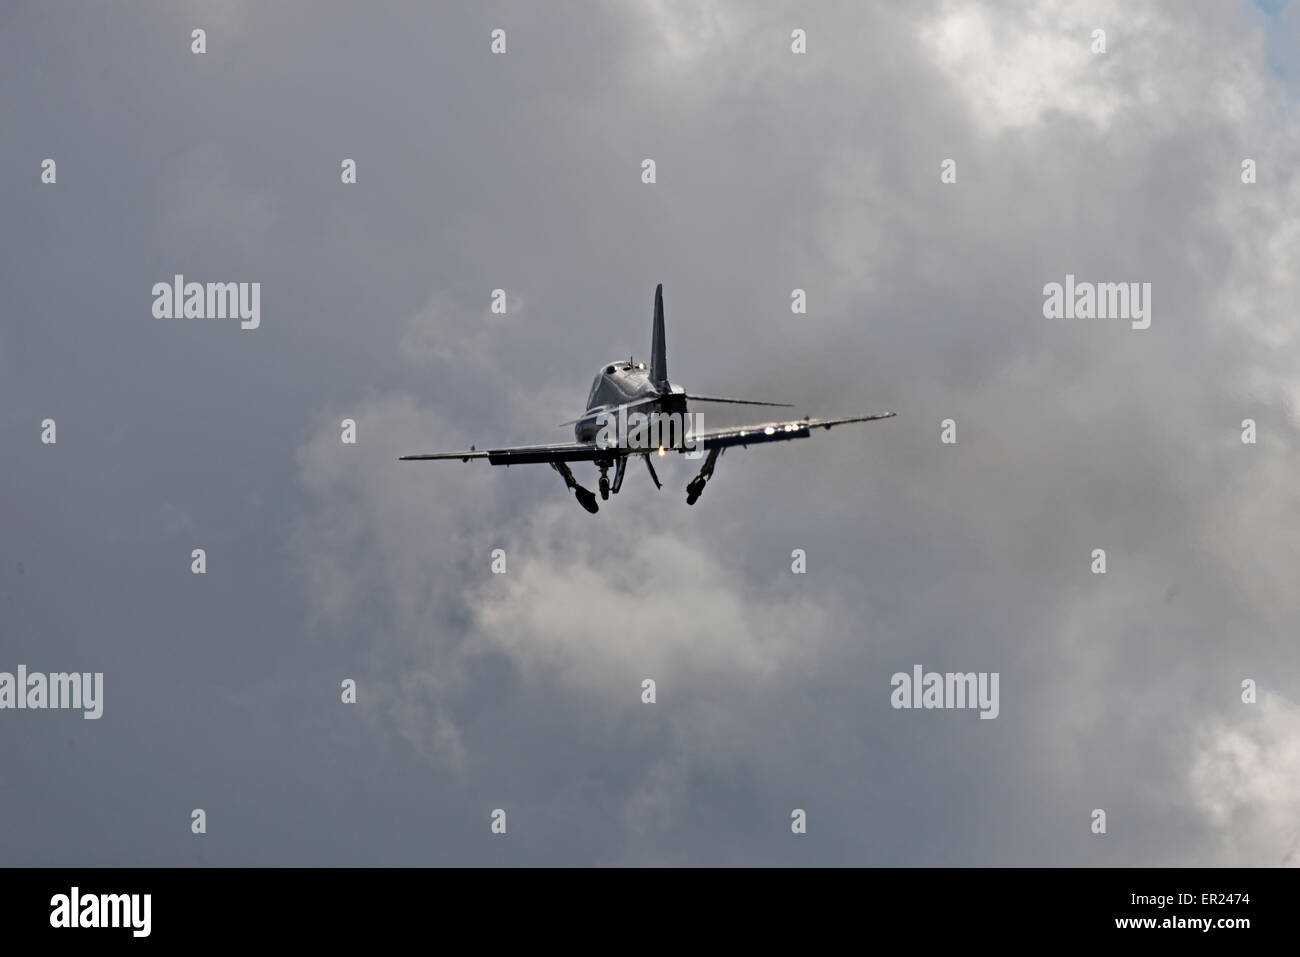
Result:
589,451
523,454
777,431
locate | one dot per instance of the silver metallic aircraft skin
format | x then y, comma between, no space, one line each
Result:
628,386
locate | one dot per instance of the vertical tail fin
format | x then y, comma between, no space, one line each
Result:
658,350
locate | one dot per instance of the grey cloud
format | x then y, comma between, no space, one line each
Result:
522,691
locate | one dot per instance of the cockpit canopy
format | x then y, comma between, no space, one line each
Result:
624,365
618,365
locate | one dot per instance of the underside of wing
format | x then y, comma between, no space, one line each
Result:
522,454
777,431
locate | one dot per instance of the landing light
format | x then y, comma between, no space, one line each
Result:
662,453
769,430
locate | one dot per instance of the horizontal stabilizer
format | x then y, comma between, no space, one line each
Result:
612,410
714,398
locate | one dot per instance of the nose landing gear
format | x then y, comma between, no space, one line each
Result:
620,465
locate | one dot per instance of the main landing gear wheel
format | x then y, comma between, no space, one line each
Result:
696,487
586,498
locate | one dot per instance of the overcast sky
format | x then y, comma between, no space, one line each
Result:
522,691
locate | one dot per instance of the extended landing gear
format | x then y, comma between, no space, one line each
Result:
696,487
653,476
620,465
586,498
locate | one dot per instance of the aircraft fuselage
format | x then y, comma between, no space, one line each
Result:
623,383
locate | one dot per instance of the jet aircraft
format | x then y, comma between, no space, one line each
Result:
627,392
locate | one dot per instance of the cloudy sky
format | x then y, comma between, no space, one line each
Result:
522,691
